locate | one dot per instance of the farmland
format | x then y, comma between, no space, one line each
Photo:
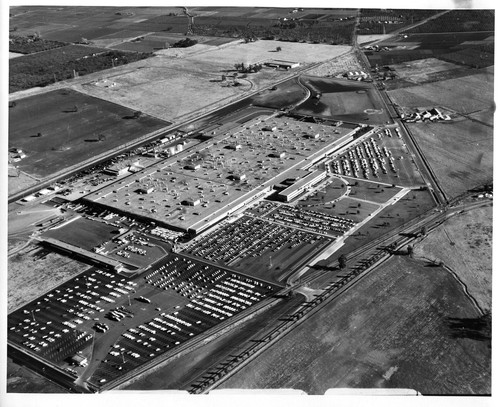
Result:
450,93
68,136
459,21
24,45
461,154
397,320
62,63
448,46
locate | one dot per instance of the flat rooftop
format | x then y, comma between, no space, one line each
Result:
214,182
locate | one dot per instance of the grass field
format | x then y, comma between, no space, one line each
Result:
83,233
285,94
343,100
350,209
70,137
460,153
393,330
464,244
466,94
333,190
371,191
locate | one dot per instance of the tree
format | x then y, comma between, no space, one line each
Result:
278,49
342,261
137,114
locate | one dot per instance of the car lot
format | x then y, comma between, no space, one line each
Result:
119,323
383,157
317,222
253,245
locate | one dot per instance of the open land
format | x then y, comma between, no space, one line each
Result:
465,94
460,154
69,136
343,100
396,320
464,245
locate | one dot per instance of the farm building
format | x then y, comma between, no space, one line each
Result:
279,64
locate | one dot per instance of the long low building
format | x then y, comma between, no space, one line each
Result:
93,257
301,185
199,187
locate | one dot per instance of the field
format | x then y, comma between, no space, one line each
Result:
62,63
34,271
464,244
371,191
178,83
350,209
69,137
423,71
396,329
460,154
23,46
465,94
285,94
83,233
343,100
448,46
160,40
334,189
459,21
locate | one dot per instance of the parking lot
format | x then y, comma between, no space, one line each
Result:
383,157
117,324
257,247
314,221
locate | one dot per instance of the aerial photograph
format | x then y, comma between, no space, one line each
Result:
223,199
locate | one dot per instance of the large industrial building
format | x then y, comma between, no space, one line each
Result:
199,187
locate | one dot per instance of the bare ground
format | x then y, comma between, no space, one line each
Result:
464,244
392,330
